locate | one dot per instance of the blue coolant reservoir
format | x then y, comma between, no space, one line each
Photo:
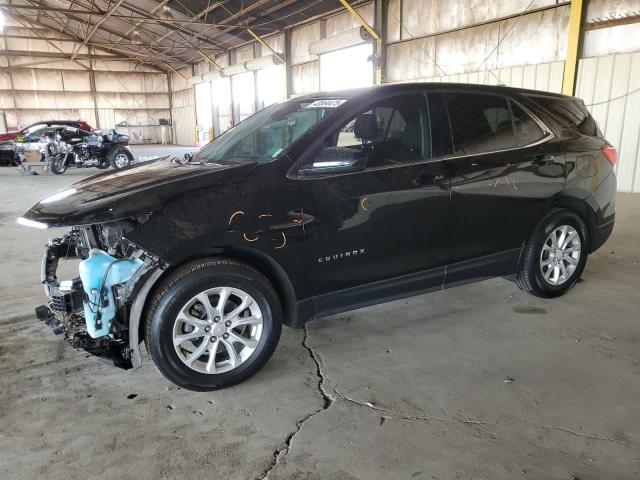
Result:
101,270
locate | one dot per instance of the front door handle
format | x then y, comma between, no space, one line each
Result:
424,179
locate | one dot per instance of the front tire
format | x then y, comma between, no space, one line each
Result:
212,323
57,164
555,256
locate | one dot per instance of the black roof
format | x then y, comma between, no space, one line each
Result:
391,87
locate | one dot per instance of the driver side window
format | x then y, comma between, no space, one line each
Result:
391,132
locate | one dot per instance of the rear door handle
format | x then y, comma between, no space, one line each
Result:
541,159
424,179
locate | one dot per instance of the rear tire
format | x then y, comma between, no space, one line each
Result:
203,347
57,164
555,256
121,158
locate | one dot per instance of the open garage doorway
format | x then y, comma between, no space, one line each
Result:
347,68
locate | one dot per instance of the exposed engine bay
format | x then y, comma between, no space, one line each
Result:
92,309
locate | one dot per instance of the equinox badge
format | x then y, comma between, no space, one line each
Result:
340,256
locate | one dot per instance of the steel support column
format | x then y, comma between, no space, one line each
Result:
381,13
573,47
288,77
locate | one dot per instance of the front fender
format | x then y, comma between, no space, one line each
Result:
135,315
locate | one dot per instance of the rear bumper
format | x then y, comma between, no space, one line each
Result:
602,232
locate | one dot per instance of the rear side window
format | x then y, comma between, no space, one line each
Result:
571,112
480,123
527,130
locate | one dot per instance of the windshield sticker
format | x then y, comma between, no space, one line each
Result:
327,103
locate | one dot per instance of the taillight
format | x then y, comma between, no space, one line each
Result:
611,154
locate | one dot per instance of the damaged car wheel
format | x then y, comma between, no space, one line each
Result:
213,323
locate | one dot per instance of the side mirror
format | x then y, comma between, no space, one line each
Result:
336,160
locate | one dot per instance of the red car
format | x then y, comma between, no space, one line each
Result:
32,133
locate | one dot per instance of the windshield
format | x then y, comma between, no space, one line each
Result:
262,137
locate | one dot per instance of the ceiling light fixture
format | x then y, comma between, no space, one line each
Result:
136,38
166,13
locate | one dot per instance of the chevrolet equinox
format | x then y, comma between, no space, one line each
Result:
318,205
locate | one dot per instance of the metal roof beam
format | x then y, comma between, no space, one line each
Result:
96,26
117,51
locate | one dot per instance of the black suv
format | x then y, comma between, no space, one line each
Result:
319,205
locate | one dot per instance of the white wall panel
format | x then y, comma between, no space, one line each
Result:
503,44
76,81
52,100
618,39
426,17
301,38
305,78
545,77
183,98
184,121
411,60
132,100
243,54
522,37
393,20
610,86
274,41
179,82
460,52
345,21
6,102
5,80
39,80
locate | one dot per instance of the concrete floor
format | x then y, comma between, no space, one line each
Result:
480,381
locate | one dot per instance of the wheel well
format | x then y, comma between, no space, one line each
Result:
583,210
261,262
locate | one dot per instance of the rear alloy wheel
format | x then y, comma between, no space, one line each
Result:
213,323
121,159
554,258
560,255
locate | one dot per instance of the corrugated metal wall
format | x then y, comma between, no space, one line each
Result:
543,76
610,86
527,51
128,97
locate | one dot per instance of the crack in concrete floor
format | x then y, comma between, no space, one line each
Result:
329,399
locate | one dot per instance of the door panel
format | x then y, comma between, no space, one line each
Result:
386,214
498,197
374,225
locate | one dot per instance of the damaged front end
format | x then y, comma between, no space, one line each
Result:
92,310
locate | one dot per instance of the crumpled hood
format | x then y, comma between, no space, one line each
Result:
131,191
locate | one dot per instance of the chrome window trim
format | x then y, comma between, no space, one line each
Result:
549,135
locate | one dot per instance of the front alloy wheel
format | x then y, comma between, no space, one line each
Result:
212,323
217,330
